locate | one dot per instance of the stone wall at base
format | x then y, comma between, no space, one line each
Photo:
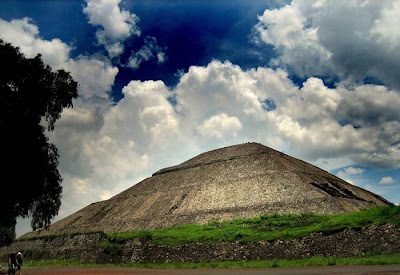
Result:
384,239
85,248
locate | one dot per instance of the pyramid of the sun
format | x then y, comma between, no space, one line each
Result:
233,182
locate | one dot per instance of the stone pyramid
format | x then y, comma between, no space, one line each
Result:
238,181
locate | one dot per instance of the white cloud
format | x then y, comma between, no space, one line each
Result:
351,40
117,25
386,180
383,28
298,45
218,87
149,50
220,126
24,34
350,171
95,76
146,106
314,122
161,57
354,171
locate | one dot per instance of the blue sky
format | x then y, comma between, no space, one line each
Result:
161,81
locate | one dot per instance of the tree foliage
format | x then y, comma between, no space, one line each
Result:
31,96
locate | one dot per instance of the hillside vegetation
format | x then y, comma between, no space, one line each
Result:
266,227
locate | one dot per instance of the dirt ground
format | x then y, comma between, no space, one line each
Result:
372,269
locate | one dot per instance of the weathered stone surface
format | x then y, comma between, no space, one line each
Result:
86,248
233,182
384,239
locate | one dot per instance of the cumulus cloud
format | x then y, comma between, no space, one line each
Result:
354,171
150,50
148,112
313,122
220,126
386,180
348,172
94,75
351,40
24,34
218,87
116,25
298,45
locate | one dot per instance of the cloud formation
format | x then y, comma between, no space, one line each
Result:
116,25
354,171
351,40
106,147
220,126
150,50
386,180
313,122
350,171
95,76
24,34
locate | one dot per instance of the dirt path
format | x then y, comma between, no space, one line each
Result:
364,269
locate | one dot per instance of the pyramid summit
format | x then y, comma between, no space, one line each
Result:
238,181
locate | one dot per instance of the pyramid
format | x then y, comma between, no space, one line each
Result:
238,181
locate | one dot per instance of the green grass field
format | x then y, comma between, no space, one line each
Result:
313,261
266,227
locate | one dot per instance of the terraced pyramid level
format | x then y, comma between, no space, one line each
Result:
233,182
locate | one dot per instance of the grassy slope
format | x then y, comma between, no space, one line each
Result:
266,227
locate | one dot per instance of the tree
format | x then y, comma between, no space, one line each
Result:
32,97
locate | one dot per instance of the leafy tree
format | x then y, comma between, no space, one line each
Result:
31,96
